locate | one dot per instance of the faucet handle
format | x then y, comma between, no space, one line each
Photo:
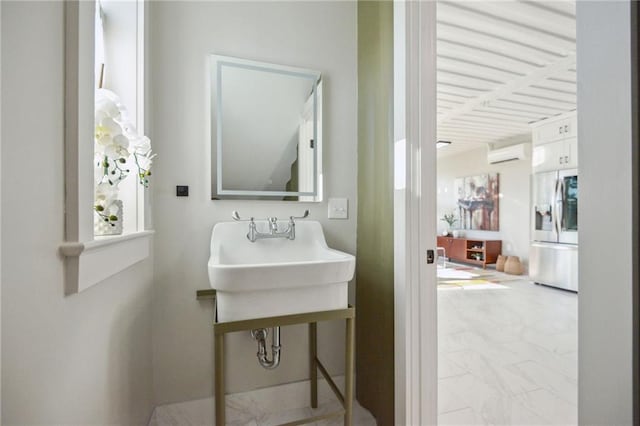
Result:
236,216
304,215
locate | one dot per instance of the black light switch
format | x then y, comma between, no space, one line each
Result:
182,191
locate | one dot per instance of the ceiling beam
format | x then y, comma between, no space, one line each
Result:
514,85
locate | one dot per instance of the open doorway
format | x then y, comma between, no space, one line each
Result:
608,155
507,212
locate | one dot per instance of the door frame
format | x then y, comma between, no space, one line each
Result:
415,297
607,151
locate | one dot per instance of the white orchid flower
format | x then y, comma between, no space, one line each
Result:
118,148
110,126
107,94
106,131
141,145
129,129
145,160
106,105
101,115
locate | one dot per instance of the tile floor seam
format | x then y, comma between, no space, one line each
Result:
455,410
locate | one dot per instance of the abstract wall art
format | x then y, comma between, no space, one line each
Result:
478,202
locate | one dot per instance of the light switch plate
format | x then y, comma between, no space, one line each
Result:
338,208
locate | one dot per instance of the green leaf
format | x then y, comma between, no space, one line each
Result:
113,218
99,208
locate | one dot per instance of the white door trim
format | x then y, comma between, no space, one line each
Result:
606,114
415,213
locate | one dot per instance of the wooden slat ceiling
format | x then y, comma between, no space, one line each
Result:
502,65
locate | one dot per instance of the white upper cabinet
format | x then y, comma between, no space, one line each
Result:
555,143
558,128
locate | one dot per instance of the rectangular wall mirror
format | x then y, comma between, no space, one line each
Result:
266,131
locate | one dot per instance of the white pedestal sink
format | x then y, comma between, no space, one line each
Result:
272,277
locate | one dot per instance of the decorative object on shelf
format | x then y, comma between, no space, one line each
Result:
116,143
456,233
500,263
109,225
478,201
108,210
451,219
513,266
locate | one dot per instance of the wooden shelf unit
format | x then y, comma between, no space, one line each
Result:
471,250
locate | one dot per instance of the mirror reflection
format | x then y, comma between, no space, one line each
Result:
265,131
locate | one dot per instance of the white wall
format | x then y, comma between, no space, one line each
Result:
515,183
314,35
82,359
605,334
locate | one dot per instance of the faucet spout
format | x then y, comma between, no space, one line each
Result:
252,235
273,225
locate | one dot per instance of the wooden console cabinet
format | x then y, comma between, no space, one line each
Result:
471,250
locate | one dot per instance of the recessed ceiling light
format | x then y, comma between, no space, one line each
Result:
442,144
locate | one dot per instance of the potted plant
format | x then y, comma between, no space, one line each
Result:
450,218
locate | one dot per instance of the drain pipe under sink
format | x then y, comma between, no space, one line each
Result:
260,334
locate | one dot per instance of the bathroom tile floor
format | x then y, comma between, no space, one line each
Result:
507,354
262,407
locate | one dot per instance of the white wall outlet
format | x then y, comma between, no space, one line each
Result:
338,208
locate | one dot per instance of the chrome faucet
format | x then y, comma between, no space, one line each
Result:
273,224
289,233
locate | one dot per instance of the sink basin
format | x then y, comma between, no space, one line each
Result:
276,276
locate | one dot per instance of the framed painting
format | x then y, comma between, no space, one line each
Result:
478,202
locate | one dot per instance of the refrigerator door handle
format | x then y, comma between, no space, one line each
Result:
559,205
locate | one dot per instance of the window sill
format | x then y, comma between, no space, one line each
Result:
88,263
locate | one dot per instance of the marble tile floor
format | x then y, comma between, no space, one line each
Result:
263,407
507,355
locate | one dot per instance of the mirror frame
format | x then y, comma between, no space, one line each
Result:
216,62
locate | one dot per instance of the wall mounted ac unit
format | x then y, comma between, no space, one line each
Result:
508,153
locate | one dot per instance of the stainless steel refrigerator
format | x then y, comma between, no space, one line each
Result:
553,259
